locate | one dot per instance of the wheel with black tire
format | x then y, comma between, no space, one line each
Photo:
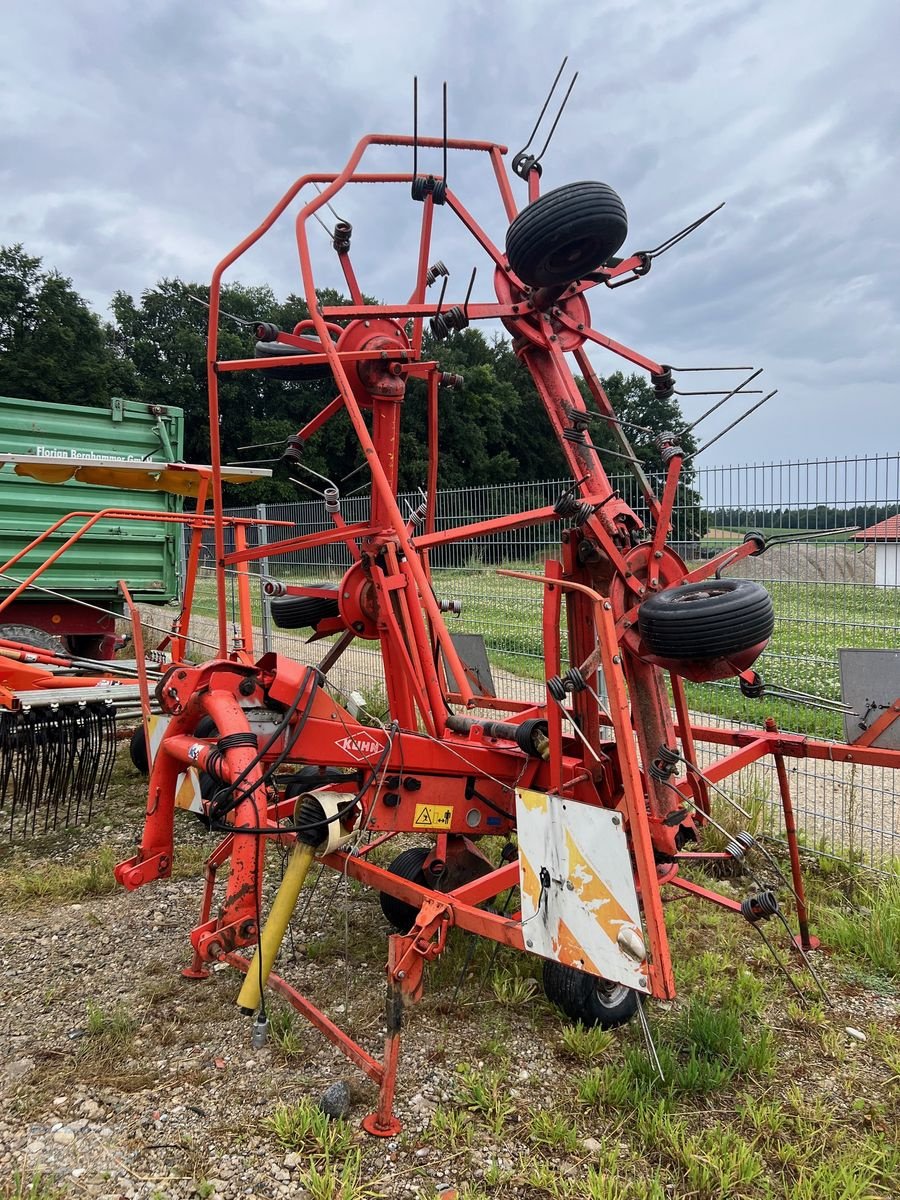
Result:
588,999
408,865
300,371
137,747
307,779
565,234
304,612
30,635
714,619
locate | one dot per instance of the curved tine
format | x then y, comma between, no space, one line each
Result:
562,67
556,122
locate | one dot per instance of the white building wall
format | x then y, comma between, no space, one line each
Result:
887,564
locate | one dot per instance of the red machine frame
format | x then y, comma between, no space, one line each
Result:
467,764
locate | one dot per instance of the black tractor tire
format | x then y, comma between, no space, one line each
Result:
30,635
137,747
304,612
307,779
299,371
408,865
566,234
712,619
586,998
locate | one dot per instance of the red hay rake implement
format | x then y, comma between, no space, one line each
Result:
599,796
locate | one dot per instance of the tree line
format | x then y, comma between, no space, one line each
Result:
53,347
818,516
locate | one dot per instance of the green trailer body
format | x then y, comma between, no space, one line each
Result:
144,554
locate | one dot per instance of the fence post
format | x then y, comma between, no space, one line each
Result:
262,534
180,565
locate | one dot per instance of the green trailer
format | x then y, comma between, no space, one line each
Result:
144,554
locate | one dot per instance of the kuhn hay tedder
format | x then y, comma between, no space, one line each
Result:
597,793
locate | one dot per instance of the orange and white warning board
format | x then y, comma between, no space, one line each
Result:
579,903
187,785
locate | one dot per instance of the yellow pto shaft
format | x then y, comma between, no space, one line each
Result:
299,862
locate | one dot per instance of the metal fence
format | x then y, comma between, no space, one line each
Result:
834,593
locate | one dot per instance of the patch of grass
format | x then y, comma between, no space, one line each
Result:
451,1128
337,1180
27,884
483,1090
512,988
553,1131
31,1186
115,1027
284,1035
871,933
303,1126
766,1118
701,1050
587,1044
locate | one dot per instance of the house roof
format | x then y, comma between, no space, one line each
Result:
884,531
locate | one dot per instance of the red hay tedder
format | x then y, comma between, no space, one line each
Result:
597,791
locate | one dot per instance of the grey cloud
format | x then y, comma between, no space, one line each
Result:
142,142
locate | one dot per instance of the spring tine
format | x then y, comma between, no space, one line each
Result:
648,1039
445,132
562,67
740,387
440,302
782,539
469,292
611,420
355,471
796,942
788,976
251,462
719,392
565,101
230,316
415,169
728,428
300,483
603,450
330,207
568,716
683,233
329,232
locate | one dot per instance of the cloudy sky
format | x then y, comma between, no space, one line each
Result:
139,141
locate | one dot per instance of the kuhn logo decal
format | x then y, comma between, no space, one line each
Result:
359,745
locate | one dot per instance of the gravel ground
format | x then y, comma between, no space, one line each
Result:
173,1104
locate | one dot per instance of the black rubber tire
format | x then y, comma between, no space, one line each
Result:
408,865
307,779
712,619
566,233
280,350
30,635
304,612
137,747
586,998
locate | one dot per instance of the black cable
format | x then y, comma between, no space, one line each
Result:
472,790
312,826
221,808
